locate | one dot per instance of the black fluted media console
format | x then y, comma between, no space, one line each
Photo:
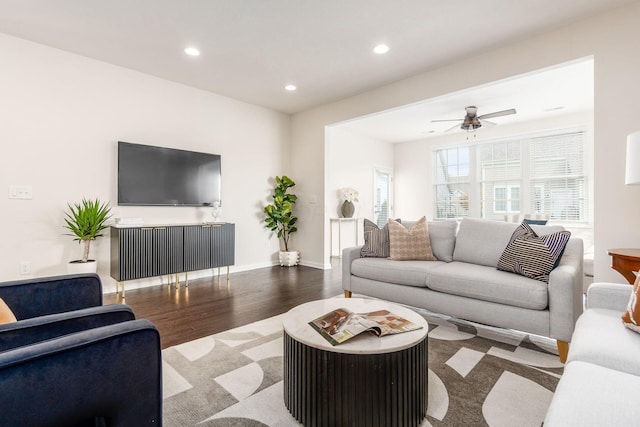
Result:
157,250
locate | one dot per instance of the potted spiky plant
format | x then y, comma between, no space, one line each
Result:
86,221
280,218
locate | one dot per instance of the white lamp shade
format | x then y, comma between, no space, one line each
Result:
632,176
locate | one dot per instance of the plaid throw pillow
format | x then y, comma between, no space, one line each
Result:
407,244
531,255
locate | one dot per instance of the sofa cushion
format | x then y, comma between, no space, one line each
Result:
531,255
376,240
411,273
600,338
591,395
410,244
488,284
442,235
631,317
482,241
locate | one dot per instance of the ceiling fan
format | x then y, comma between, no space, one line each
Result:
472,121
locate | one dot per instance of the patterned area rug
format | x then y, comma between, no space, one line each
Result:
478,376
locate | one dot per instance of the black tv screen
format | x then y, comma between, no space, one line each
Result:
157,176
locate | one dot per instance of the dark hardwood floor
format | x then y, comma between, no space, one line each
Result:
208,306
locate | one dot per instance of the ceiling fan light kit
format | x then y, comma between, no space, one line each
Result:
472,121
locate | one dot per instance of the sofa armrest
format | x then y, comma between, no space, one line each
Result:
37,329
612,296
348,255
110,373
565,291
49,295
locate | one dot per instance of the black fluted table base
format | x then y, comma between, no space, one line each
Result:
325,388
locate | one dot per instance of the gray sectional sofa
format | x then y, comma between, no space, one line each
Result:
602,373
465,283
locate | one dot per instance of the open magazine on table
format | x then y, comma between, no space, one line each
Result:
340,324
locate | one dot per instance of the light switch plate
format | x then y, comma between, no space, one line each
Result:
24,192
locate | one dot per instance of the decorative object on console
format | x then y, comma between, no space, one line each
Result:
216,210
129,222
632,174
86,221
348,195
631,317
533,256
280,218
410,244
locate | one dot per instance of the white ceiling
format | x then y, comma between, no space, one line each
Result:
252,48
561,90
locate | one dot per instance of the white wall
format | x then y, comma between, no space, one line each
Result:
61,116
612,40
351,162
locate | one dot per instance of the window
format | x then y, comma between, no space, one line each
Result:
453,182
506,198
530,174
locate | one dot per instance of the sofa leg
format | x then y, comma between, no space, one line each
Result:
563,350
347,294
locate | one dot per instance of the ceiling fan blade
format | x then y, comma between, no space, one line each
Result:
452,128
447,120
498,114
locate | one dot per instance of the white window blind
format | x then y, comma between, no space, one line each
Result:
558,182
540,173
452,182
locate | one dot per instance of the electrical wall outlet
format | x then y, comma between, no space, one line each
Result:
25,267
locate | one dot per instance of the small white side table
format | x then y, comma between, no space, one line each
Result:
340,221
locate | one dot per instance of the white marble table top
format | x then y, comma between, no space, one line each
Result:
296,324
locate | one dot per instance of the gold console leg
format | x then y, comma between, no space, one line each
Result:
186,279
227,273
177,281
122,290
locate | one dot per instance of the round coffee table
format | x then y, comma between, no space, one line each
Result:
368,380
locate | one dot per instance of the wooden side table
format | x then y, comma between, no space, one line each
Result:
626,261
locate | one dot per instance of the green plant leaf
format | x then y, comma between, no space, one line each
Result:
86,220
279,215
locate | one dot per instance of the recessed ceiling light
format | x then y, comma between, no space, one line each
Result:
381,49
192,51
290,88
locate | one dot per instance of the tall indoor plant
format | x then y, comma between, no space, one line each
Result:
86,221
280,218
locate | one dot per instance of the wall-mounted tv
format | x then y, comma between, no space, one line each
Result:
157,176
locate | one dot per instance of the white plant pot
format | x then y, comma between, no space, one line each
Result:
289,259
79,267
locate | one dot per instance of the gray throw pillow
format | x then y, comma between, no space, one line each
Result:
376,240
443,238
531,255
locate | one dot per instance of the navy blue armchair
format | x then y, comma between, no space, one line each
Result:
70,361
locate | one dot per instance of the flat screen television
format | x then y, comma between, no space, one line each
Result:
158,176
